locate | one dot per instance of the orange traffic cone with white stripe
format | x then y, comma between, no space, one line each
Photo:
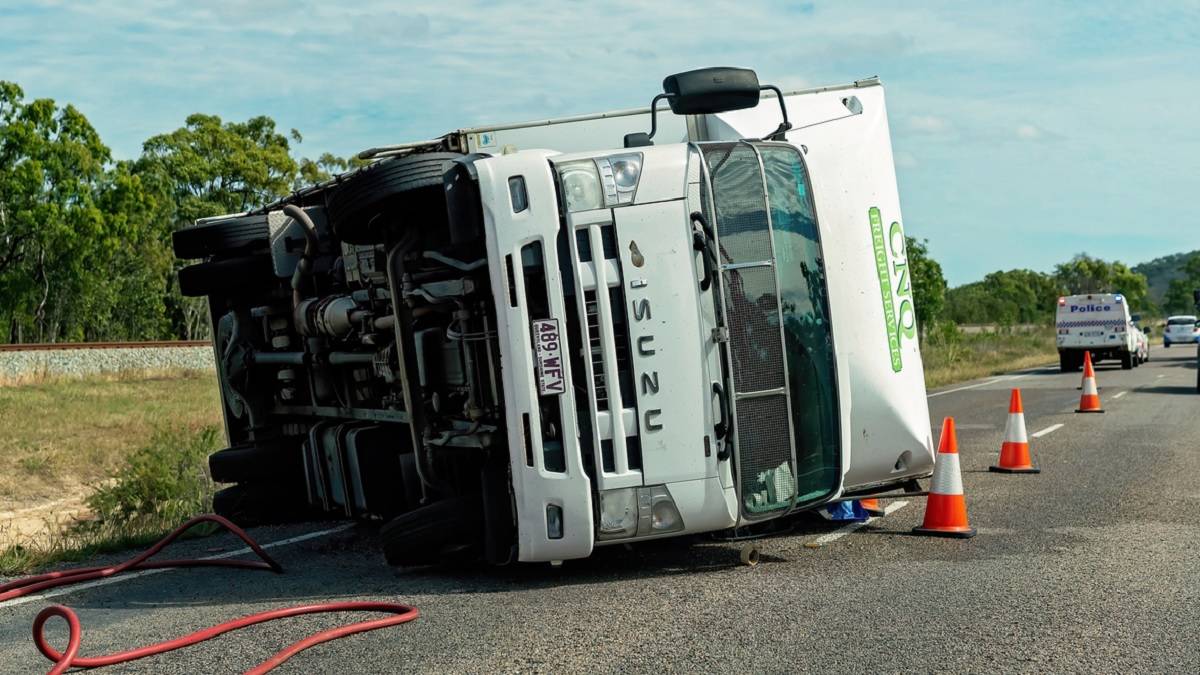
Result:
872,507
1014,451
1089,400
946,508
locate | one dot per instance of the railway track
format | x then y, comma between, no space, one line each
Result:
61,346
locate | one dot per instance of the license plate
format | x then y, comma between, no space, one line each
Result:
547,348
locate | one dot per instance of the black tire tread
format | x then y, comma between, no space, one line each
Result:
251,463
419,536
220,236
217,276
363,193
261,504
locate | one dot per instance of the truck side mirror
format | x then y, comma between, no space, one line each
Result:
711,90
638,140
707,91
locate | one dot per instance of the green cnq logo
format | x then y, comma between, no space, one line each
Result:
891,263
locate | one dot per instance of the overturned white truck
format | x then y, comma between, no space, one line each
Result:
522,342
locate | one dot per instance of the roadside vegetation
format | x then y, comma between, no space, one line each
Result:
160,485
102,463
952,356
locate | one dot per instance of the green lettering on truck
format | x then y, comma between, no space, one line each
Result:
885,287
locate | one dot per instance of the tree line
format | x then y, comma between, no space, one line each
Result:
85,240
1022,296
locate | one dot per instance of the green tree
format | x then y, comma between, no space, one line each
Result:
208,168
51,229
1085,274
1179,299
1005,297
928,283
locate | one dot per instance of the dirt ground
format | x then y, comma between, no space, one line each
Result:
59,439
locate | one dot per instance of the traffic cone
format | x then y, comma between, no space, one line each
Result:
1089,400
946,509
872,507
1014,452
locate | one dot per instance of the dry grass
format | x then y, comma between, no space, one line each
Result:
57,437
159,485
950,356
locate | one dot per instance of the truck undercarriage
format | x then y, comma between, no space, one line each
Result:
356,351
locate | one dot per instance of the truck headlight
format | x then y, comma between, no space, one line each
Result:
618,513
628,512
581,186
604,181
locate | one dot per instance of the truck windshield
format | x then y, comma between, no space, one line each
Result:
809,342
776,309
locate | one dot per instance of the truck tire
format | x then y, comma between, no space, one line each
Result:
426,535
1126,360
278,462
220,276
221,236
252,504
416,179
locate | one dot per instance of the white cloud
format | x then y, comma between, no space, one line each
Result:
929,124
1028,132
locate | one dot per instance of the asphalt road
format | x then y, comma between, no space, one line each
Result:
1092,565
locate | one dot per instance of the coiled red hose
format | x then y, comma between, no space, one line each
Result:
69,658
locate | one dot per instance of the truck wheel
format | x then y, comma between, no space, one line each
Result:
220,276
278,462
1126,361
415,181
422,536
251,504
221,236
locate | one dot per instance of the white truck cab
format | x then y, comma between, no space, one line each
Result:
525,341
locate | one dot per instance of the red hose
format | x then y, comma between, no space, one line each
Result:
69,658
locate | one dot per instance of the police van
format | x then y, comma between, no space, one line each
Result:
1099,323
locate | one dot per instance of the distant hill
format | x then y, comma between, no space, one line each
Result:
1160,272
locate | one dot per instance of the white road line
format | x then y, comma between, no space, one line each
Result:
1159,376
969,386
1117,396
142,573
1048,430
847,529
1002,378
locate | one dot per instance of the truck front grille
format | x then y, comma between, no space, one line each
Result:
601,359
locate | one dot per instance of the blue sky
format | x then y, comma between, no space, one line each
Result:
1025,132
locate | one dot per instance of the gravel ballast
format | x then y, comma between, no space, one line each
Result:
24,365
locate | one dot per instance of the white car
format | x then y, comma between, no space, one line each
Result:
1181,329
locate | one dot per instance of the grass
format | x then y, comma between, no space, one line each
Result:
951,356
60,436
128,450
160,485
